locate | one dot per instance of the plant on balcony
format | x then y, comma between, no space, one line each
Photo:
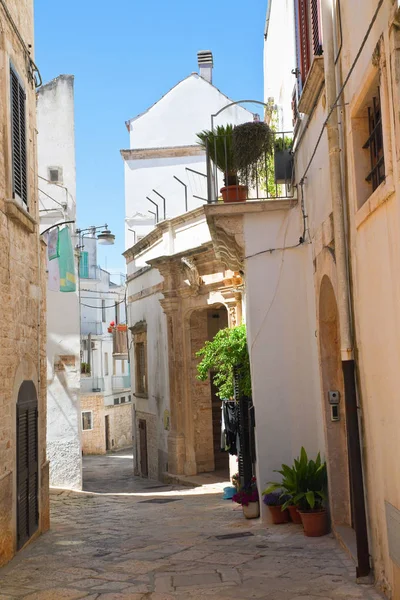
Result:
252,143
218,143
283,159
85,368
221,355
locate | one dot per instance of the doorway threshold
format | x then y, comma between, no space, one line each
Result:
347,539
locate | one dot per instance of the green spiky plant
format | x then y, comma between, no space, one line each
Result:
218,142
221,355
305,482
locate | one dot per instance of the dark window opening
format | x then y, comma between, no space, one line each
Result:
374,144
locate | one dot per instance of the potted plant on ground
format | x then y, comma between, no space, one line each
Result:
283,159
275,502
309,493
247,496
221,355
289,486
236,481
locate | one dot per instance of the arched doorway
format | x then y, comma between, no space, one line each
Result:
27,463
335,424
206,405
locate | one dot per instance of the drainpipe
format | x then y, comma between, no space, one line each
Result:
343,296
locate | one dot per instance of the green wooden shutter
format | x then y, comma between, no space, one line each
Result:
84,265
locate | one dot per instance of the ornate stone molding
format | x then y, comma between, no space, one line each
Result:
227,249
191,273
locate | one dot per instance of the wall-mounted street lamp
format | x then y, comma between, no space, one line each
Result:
105,237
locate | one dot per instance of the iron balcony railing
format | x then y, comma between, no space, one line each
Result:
121,382
91,327
270,178
92,384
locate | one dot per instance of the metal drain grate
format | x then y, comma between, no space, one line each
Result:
160,501
232,536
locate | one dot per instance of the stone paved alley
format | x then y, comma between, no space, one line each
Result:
114,543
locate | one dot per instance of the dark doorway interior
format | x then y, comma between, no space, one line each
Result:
144,470
27,463
221,459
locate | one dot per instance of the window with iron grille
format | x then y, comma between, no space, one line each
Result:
84,265
18,138
374,143
116,400
141,370
87,420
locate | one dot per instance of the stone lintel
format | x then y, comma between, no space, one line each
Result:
160,153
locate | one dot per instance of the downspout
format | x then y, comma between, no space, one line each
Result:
343,295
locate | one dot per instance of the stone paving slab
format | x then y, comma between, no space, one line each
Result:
107,545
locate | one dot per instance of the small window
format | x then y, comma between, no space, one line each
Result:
122,399
84,265
55,174
18,138
141,368
105,364
103,311
116,400
129,398
87,420
374,143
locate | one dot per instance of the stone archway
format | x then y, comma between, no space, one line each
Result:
205,405
332,380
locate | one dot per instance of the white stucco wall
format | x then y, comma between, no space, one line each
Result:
174,120
56,148
280,315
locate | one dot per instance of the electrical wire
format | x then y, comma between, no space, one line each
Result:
334,105
102,307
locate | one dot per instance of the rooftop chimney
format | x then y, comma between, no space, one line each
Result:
206,63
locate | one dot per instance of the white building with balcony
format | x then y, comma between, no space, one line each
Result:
105,379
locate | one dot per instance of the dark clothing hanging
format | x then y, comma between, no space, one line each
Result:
230,426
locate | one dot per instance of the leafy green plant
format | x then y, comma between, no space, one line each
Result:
221,355
85,368
305,482
283,143
218,142
252,143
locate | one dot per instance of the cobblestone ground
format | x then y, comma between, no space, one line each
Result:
116,545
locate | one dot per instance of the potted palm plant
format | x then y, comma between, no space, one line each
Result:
289,486
252,144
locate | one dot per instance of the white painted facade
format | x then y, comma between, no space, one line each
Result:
57,203
171,123
102,302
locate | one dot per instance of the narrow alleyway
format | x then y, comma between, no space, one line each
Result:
140,540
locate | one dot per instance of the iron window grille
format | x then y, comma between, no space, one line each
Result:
18,138
374,144
87,420
140,368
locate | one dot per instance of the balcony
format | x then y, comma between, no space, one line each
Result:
120,340
250,169
91,385
121,382
91,327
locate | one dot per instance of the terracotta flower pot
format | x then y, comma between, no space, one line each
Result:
315,523
252,510
278,515
294,514
234,193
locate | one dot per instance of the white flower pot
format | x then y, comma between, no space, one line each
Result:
252,511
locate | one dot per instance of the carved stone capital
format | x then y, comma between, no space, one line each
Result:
191,274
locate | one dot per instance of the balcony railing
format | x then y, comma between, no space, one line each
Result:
271,177
92,384
121,382
92,327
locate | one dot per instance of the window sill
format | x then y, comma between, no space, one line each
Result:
20,215
137,395
376,199
312,86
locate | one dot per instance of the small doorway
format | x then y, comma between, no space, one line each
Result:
144,469
108,439
27,463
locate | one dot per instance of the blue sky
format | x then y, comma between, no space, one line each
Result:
125,55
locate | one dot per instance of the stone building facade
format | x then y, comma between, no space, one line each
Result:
24,470
105,427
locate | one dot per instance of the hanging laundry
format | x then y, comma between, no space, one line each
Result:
66,262
53,247
231,424
53,277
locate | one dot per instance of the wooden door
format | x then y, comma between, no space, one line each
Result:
107,423
27,463
144,469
